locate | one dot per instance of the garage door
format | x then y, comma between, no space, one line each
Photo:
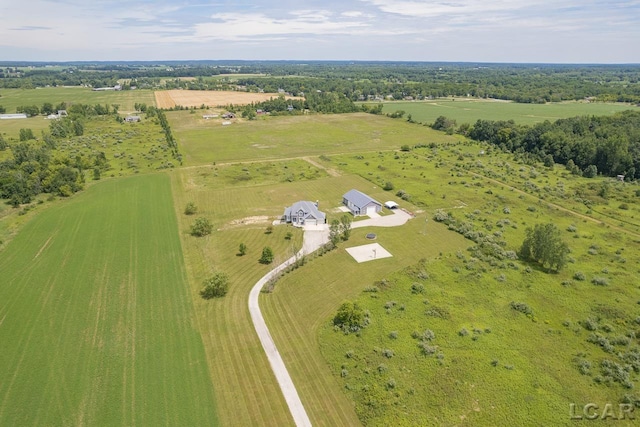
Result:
371,210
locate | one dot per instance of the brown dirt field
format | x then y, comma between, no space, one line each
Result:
195,98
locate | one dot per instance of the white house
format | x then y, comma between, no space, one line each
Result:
304,213
360,204
132,119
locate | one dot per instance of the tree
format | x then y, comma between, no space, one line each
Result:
590,171
26,135
269,229
215,286
190,209
267,255
543,245
350,317
201,227
388,186
242,249
3,144
2,109
334,231
47,108
345,227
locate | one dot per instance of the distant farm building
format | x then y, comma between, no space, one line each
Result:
226,123
304,213
228,116
360,204
132,119
210,116
12,116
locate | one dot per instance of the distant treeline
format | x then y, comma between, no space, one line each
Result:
324,102
608,145
358,81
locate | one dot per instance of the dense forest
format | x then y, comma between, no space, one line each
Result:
607,145
358,81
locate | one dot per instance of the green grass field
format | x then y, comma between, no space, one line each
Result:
469,111
206,141
96,317
149,350
12,98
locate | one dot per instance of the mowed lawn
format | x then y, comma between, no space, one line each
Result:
246,389
96,315
469,111
207,141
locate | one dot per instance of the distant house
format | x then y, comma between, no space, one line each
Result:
228,116
360,204
132,119
304,213
62,113
620,178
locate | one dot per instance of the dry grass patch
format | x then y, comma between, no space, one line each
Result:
196,98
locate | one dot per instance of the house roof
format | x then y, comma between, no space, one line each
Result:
359,199
309,209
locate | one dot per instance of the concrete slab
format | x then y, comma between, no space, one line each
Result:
370,252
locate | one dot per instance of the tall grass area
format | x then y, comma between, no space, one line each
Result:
470,110
97,318
507,340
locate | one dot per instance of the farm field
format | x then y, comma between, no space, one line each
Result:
209,98
206,141
126,99
470,110
97,319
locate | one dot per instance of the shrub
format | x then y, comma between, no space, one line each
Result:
579,276
267,255
463,332
417,288
201,227
388,186
190,209
242,249
600,281
350,317
388,353
521,307
215,286
441,215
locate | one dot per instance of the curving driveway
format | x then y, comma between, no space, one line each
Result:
314,238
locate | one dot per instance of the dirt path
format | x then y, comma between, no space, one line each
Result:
330,171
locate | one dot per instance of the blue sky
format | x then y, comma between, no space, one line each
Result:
558,31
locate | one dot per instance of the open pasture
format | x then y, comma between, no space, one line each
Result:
470,110
97,323
209,98
206,141
126,99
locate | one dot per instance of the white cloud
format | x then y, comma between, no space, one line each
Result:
233,26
